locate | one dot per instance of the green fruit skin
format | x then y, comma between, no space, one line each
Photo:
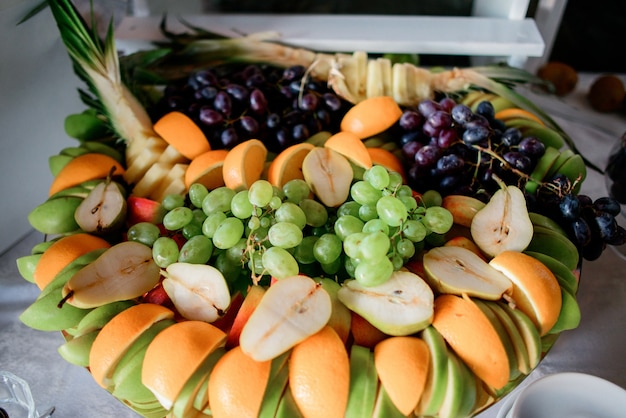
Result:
57,162
55,216
570,315
385,407
26,266
100,316
68,271
76,351
287,407
554,244
279,375
363,383
100,148
45,315
85,127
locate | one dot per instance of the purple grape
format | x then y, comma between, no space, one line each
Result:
273,120
461,114
518,160
426,107
511,137
450,164
440,119
300,132
202,78
249,124
410,120
255,80
237,92
485,109
222,103
294,72
607,224
430,130
607,204
229,137
532,147
447,104
585,201
258,102
283,137
475,135
410,136
427,156
410,149
286,92
446,138
323,117
580,232
331,101
569,207
308,102
208,92
619,238
210,117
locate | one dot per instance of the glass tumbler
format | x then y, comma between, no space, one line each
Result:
16,399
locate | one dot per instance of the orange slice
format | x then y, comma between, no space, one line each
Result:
516,112
237,385
474,339
62,253
319,375
288,164
175,354
402,364
350,146
371,116
118,335
182,133
206,169
83,168
536,291
244,164
387,159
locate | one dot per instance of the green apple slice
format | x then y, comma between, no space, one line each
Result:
528,331
276,386
437,379
76,351
287,407
384,407
100,316
547,241
403,305
363,383
457,270
565,276
523,362
569,317
460,395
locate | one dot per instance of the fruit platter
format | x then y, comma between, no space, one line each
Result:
245,228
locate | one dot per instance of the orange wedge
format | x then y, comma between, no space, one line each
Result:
288,164
319,375
206,169
244,164
371,116
118,335
175,354
516,112
237,385
83,168
402,364
474,339
387,159
350,146
62,253
536,291
182,133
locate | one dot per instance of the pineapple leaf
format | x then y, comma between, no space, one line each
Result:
34,11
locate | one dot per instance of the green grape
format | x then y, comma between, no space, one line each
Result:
347,225
291,212
350,264
405,248
165,251
373,272
431,198
228,233
197,250
374,245
377,176
333,267
409,202
404,190
391,210
173,201
260,234
318,231
198,216
240,205
144,232
255,264
237,252
218,200
197,192
266,222
395,180
254,223
210,224
438,219
349,208
368,212
278,192
295,190
285,235
435,240
364,193
280,263
260,193
352,245
191,230
275,202
376,224
177,218
327,248
316,213
304,253
414,230
397,261
229,269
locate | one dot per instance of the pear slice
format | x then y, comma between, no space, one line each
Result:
291,310
503,224
403,305
457,270
328,174
103,210
123,272
198,291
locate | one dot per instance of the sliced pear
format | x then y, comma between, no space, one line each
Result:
457,270
403,305
124,271
291,310
328,174
503,224
103,210
198,291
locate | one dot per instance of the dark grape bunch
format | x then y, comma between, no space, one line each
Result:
448,146
232,104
